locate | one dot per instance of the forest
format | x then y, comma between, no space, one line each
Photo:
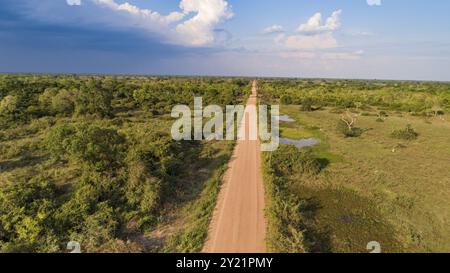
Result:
90,159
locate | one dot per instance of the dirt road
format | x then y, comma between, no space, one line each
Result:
238,224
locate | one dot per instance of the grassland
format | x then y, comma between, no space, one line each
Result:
373,187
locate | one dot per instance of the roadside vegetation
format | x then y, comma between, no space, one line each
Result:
90,159
382,175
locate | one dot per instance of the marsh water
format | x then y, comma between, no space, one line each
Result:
301,143
286,118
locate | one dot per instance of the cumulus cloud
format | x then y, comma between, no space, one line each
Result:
314,40
273,29
314,34
314,24
198,30
374,2
142,13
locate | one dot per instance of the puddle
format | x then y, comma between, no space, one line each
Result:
286,118
309,142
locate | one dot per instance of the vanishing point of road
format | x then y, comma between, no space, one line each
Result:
238,224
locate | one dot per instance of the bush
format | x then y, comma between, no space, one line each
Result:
45,99
99,228
290,160
286,212
8,105
286,100
405,134
100,148
26,222
97,148
9,110
143,193
59,140
63,103
290,224
93,99
307,105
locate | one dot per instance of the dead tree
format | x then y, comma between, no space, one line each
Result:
349,119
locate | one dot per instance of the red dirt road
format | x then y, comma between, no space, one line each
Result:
238,224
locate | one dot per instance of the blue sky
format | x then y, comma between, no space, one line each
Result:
383,39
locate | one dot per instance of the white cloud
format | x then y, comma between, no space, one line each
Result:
198,30
374,2
73,2
314,24
315,35
273,29
141,13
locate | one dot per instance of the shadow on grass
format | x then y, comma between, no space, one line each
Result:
28,161
342,221
323,162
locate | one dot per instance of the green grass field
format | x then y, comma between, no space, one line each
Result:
375,187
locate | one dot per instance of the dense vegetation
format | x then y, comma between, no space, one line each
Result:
378,173
286,211
90,159
420,98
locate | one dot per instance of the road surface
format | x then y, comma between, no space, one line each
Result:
238,224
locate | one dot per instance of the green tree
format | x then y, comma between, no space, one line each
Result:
9,109
97,148
307,104
63,103
286,99
99,228
26,218
93,99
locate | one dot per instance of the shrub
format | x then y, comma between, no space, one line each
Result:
8,105
307,105
59,140
383,114
45,99
26,215
286,100
286,211
290,160
64,103
100,148
9,110
143,192
99,228
97,148
406,134
93,99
